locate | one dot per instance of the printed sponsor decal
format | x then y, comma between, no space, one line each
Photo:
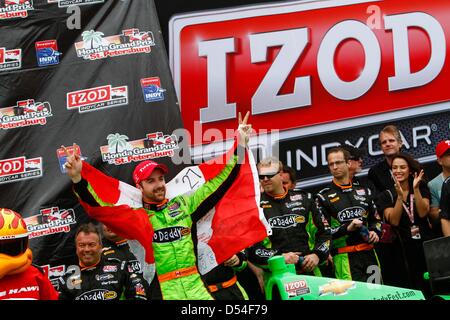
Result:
265,253
151,88
360,192
336,287
140,291
97,294
174,206
173,214
170,234
290,205
174,210
324,247
50,221
62,158
351,213
47,53
296,288
105,253
20,168
25,113
103,277
110,268
10,59
16,9
93,99
296,197
285,221
120,151
68,3
134,266
132,41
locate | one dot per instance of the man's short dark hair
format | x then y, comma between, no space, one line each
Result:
339,149
291,172
355,153
89,228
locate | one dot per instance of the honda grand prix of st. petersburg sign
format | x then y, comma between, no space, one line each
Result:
312,67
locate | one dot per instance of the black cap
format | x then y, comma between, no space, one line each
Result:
355,153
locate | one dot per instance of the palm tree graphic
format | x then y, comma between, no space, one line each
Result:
116,141
95,37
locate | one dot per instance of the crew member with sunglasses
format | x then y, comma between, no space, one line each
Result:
292,215
19,279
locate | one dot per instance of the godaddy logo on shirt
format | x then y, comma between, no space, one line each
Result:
351,213
170,234
286,221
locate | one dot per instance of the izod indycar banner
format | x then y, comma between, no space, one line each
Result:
307,68
103,83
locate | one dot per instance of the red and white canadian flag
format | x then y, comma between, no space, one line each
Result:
236,221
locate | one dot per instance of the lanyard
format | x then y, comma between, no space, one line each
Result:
410,210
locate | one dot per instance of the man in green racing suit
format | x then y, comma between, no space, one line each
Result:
172,219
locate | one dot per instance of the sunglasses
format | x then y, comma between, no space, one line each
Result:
268,175
14,247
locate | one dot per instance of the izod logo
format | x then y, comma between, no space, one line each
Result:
12,166
85,97
20,168
309,62
97,98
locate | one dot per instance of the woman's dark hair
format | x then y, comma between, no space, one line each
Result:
413,164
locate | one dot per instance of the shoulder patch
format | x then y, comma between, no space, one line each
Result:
108,252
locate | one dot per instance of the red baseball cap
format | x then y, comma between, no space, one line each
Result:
144,169
442,148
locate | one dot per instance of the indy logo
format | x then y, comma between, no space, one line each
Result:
68,3
121,151
47,53
132,41
25,113
50,221
54,273
10,59
151,88
62,157
20,168
97,98
16,9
